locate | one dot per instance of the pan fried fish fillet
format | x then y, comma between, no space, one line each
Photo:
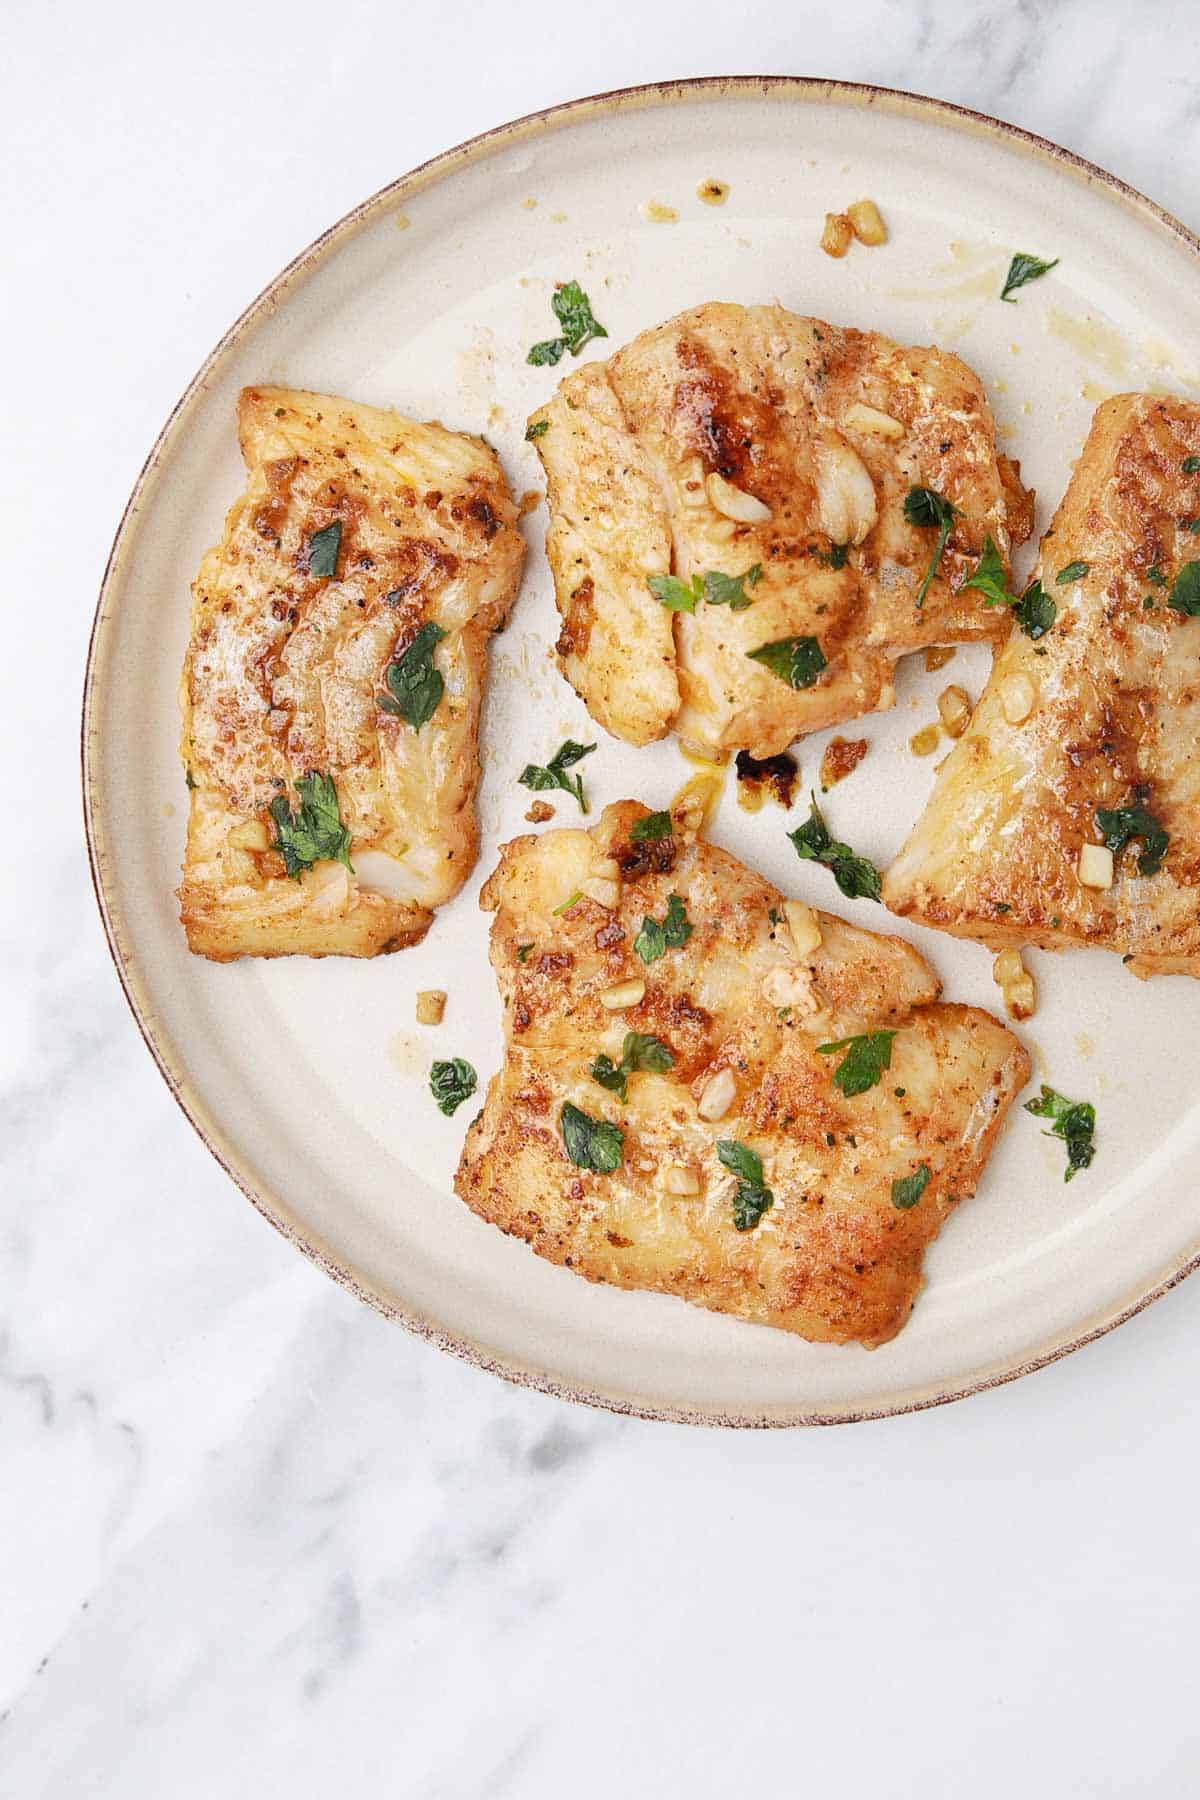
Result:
357,528
758,984
1113,723
739,438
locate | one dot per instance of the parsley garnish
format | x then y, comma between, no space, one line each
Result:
650,828
523,951
796,660
322,553
730,590
591,1143
717,589
1155,575
1035,611
554,773
909,1188
753,1198
864,1062
1185,591
548,351
451,1083
416,685
314,833
926,507
1024,268
655,939
538,429
990,577
641,1050
1191,465
1126,822
1074,571
1074,1122
573,310
856,877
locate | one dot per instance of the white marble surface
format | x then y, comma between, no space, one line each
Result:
254,1541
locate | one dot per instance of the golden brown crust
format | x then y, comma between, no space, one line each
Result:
285,667
1114,722
825,428
833,1258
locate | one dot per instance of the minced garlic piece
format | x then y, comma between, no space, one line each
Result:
1016,984
679,1180
867,222
623,994
1096,866
954,710
838,234
718,1096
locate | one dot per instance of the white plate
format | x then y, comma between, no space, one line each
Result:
308,1079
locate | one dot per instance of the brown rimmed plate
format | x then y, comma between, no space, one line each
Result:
307,1080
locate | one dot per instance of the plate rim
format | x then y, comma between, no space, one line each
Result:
167,1057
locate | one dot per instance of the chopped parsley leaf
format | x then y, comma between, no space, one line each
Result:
641,1050
907,1190
1024,268
1155,575
1074,571
321,556
650,828
1035,612
856,877
314,832
573,310
714,587
547,353
1125,822
753,1197
655,938
925,507
451,1083
554,773
538,429
676,595
865,1060
990,577
1074,1121
523,951
1191,465
415,685
1185,591
796,660
591,1143
730,590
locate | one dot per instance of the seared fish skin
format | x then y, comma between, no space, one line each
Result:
833,1259
286,665
1113,722
820,432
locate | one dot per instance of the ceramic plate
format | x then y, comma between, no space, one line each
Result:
308,1080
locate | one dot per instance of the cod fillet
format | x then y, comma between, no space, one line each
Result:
333,680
